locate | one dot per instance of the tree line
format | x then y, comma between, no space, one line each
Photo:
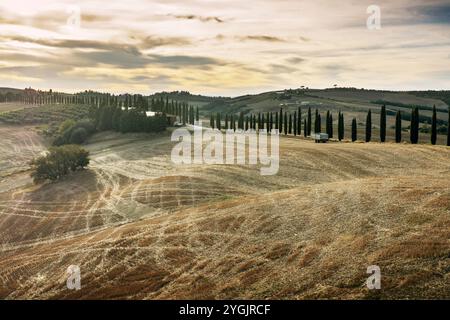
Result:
292,124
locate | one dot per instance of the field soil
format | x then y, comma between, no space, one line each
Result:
140,227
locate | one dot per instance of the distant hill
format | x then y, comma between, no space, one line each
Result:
354,102
4,90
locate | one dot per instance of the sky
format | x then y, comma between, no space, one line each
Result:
226,48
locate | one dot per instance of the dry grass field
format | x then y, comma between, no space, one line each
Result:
140,227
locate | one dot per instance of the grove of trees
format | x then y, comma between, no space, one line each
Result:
58,162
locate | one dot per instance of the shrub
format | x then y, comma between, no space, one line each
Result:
58,162
78,136
71,132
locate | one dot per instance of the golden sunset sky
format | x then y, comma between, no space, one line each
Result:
223,47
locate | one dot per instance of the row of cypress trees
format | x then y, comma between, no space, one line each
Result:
292,124
414,126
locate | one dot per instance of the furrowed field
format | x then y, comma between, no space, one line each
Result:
141,227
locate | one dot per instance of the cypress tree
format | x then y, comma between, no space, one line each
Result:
262,122
268,122
319,123
241,120
218,122
354,130
259,121
226,122
415,126
448,128
197,115
411,127
309,122
246,123
211,121
271,122
295,123
369,126
285,124
383,124
331,126
290,124
305,133
316,122
398,127
433,127
299,121
327,123
276,120
280,126
339,126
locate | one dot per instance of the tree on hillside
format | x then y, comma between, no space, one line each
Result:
299,121
309,122
58,162
276,121
218,122
259,121
339,126
330,133
398,127
414,127
383,124
369,126
280,125
354,130
448,128
241,121
305,133
211,121
197,115
290,124
316,122
295,123
78,136
433,127
285,124
327,123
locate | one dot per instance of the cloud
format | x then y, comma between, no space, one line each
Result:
279,68
261,38
145,43
153,42
197,17
295,60
439,14
175,61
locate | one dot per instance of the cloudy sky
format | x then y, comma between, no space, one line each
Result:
223,47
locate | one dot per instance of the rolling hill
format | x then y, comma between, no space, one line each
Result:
141,227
